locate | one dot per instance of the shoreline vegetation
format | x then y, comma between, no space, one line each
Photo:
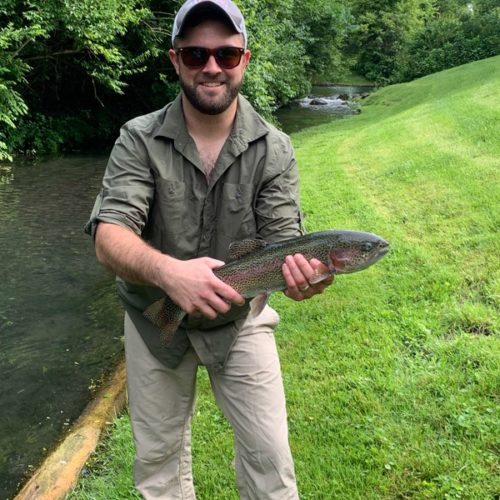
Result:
72,73
349,78
392,375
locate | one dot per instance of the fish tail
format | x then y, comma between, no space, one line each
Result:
166,316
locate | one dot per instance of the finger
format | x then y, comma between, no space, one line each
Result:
210,306
294,294
300,270
296,266
204,309
218,289
292,291
213,263
218,300
228,294
289,276
313,270
208,303
320,286
219,304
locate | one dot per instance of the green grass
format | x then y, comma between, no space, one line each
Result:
392,375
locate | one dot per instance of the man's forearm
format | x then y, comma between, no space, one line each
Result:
191,284
127,255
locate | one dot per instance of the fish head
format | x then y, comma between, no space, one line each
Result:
356,250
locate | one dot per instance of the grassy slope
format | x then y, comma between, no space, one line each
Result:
392,375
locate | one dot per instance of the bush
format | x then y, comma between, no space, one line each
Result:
448,42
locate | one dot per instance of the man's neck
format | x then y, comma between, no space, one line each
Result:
209,127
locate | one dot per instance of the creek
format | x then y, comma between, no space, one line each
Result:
326,103
60,321
60,318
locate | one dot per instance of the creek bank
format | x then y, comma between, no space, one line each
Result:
60,471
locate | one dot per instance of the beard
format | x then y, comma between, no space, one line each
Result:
210,105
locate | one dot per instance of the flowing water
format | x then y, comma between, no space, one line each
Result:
326,103
60,319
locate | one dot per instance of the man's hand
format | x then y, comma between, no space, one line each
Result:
193,286
298,272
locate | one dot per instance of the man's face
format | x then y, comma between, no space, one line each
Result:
210,89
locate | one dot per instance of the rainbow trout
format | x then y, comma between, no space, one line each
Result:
254,268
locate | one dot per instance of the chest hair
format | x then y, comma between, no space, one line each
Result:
208,160
209,153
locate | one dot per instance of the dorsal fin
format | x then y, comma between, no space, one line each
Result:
239,249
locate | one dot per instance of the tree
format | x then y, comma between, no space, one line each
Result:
384,29
306,41
458,33
54,51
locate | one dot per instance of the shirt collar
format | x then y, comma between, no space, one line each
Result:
173,121
249,125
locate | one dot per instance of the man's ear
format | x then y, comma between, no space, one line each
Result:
246,57
174,59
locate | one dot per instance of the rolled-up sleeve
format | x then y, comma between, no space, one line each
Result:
277,210
128,185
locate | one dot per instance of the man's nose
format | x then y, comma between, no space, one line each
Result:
212,65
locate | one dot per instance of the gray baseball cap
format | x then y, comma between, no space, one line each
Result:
226,7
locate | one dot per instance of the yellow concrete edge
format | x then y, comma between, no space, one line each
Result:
60,471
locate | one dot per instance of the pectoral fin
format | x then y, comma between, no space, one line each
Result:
166,316
320,277
258,303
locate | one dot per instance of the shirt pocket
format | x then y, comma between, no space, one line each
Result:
170,196
169,213
237,218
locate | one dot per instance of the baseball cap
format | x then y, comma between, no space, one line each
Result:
226,7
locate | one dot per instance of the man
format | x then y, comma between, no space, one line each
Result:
181,184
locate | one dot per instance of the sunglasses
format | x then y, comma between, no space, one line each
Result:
197,57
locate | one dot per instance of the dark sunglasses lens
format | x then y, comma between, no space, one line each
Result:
197,57
228,57
194,57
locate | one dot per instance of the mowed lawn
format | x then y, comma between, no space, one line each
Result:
392,375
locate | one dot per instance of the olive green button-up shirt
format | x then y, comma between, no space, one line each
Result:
155,185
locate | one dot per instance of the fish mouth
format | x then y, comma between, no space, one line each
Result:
383,248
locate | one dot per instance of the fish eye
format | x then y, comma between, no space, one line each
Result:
366,247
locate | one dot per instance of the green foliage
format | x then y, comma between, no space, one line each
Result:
448,41
59,55
90,32
404,39
91,65
39,133
306,41
273,77
92,62
13,38
383,32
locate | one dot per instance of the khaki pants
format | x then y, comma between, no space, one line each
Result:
249,392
